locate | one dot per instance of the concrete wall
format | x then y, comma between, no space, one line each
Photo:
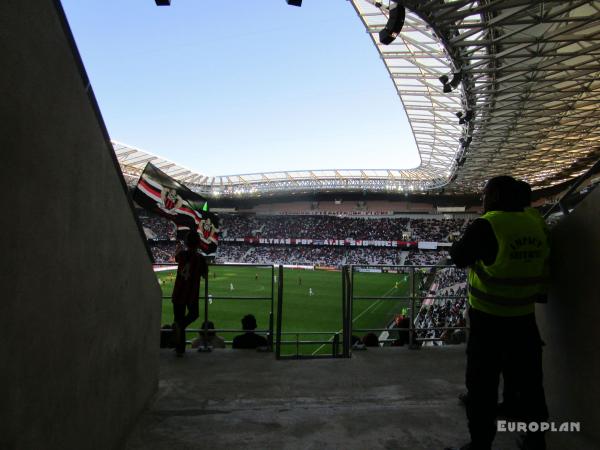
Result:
79,309
570,325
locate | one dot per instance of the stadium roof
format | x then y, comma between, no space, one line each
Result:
524,75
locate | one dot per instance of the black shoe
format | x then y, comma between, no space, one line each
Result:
507,411
464,447
531,441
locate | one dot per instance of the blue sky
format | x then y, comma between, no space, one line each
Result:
242,86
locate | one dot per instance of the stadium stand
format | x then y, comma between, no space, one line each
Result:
341,227
158,228
161,234
314,227
447,306
306,255
426,257
436,230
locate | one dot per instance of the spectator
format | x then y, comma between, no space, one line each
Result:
191,267
211,339
249,339
402,324
370,340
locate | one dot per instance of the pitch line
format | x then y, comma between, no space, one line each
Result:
356,318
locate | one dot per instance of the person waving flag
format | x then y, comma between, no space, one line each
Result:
159,193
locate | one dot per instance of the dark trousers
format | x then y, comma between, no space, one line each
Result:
511,346
183,320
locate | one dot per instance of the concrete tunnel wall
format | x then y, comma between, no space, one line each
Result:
570,325
80,307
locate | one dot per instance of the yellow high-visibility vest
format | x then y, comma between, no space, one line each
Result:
517,278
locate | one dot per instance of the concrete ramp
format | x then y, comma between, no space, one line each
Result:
386,398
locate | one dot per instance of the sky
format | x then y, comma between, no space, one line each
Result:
243,86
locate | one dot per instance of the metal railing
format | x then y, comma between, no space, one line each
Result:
340,340
414,297
562,202
334,342
279,341
208,297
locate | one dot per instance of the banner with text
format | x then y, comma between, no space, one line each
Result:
322,242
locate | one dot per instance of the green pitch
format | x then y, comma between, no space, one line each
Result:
302,312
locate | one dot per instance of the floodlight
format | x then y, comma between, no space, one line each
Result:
452,84
162,2
294,2
456,79
394,24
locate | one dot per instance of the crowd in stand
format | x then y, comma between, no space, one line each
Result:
307,255
375,255
447,308
449,279
163,252
333,227
158,228
323,256
436,230
426,257
162,232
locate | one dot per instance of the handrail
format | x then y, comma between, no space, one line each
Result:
574,186
220,330
422,297
215,297
279,313
206,297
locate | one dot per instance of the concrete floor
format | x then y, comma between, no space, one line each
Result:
388,398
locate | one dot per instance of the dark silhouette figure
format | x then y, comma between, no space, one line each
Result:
191,266
370,340
402,324
249,339
208,338
506,250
